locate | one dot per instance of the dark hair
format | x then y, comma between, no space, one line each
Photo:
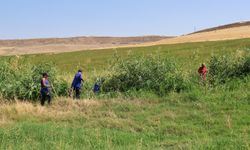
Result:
45,74
80,70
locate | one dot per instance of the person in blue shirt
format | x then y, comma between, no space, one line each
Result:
96,88
77,84
45,89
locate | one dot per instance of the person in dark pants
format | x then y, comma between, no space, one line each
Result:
77,84
45,91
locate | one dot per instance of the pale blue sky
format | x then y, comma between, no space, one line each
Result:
65,18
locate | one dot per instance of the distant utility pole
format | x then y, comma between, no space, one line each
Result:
194,28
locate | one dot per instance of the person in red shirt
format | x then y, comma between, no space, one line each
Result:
203,71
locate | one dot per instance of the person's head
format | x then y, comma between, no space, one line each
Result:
80,70
203,65
45,75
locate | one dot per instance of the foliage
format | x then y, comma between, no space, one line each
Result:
226,67
20,80
145,73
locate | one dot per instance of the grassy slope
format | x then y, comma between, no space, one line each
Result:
199,119
193,53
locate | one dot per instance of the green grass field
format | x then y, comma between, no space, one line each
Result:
203,118
191,54
173,123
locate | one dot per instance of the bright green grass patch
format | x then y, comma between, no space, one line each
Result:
136,124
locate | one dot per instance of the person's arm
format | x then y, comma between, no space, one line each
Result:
43,82
81,78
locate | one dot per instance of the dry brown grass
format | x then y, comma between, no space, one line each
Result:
59,45
60,109
94,113
217,35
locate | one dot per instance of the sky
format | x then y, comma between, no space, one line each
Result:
67,18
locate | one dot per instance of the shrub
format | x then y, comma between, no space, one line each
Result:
22,80
245,70
145,73
227,67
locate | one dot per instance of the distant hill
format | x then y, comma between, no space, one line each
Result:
56,45
232,25
237,30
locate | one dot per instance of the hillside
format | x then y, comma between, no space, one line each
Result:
225,32
239,30
232,25
31,46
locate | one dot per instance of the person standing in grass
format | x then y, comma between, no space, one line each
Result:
203,72
77,84
45,89
96,88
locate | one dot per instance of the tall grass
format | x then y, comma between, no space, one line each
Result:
21,80
151,73
135,76
227,67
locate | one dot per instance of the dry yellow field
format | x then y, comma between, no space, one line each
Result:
216,35
60,45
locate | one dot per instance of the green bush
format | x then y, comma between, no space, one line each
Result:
21,80
227,67
245,70
145,73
